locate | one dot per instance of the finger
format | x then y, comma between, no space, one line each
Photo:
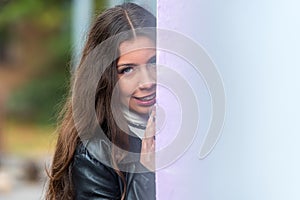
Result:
150,130
153,113
148,145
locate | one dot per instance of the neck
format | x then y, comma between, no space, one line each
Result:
136,122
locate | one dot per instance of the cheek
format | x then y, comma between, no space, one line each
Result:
126,88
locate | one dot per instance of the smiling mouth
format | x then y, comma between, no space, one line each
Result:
147,98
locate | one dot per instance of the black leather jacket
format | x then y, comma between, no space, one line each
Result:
94,180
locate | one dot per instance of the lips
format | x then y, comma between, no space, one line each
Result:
148,100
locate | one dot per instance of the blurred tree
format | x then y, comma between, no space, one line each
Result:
35,39
38,38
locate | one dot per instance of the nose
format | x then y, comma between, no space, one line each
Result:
147,78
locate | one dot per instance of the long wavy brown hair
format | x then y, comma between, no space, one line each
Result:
113,21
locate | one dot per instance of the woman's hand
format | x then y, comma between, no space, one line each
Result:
148,143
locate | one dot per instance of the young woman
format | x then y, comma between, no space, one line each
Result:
111,155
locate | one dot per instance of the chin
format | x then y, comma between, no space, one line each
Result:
142,110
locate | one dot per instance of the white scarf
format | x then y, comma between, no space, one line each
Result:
136,123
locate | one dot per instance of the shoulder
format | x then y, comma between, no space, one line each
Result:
95,148
91,177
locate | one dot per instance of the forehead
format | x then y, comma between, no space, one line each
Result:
137,45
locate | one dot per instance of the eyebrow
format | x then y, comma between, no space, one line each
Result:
151,60
125,64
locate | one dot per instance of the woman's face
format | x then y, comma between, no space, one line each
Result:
136,69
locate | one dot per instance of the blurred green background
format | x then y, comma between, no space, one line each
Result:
37,44
36,48
35,57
